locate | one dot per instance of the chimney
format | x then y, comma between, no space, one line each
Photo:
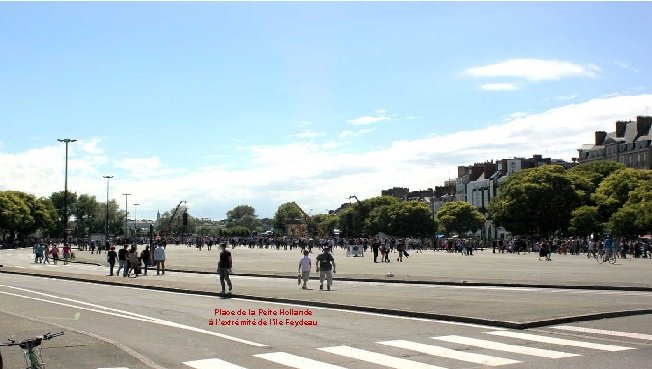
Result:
476,171
621,127
643,125
600,137
489,169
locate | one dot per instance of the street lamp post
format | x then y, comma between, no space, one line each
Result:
106,230
65,189
126,195
135,220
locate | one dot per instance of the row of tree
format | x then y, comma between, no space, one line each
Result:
23,214
584,200
587,199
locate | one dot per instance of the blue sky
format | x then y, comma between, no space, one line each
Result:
222,104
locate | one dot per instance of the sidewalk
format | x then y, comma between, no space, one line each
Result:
72,350
483,268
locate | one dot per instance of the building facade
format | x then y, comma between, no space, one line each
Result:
629,144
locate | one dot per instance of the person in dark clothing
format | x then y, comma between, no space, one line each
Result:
111,256
374,247
326,268
224,266
122,261
144,257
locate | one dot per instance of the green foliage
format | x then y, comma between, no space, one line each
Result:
85,210
596,171
58,202
287,213
23,214
354,219
459,217
243,216
536,201
409,219
635,216
614,191
623,222
325,224
585,221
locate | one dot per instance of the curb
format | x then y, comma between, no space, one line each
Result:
369,309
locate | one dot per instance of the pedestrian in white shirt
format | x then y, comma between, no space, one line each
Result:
305,264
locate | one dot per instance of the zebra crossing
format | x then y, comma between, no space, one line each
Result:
491,340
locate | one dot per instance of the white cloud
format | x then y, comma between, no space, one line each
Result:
534,70
369,119
565,97
626,66
499,87
308,134
360,132
315,175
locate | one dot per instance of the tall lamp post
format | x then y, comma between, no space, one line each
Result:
135,224
106,230
65,189
126,195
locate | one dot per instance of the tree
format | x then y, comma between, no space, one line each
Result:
14,214
536,201
614,191
585,221
459,217
325,223
58,202
287,213
86,211
22,214
623,222
354,219
409,219
596,171
243,216
635,216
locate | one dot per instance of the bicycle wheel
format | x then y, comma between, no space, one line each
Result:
599,257
612,258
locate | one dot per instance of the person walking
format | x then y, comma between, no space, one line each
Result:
224,266
111,256
326,267
38,253
66,253
144,257
122,261
55,254
375,245
46,254
134,261
159,259
305,264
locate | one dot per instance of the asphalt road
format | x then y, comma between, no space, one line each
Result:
165,330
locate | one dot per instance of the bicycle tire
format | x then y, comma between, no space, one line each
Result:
612,258
599,257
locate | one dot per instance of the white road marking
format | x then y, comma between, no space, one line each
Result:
639,336
212,364
129,315
376,358
295,361
525,350
450,354
559,341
